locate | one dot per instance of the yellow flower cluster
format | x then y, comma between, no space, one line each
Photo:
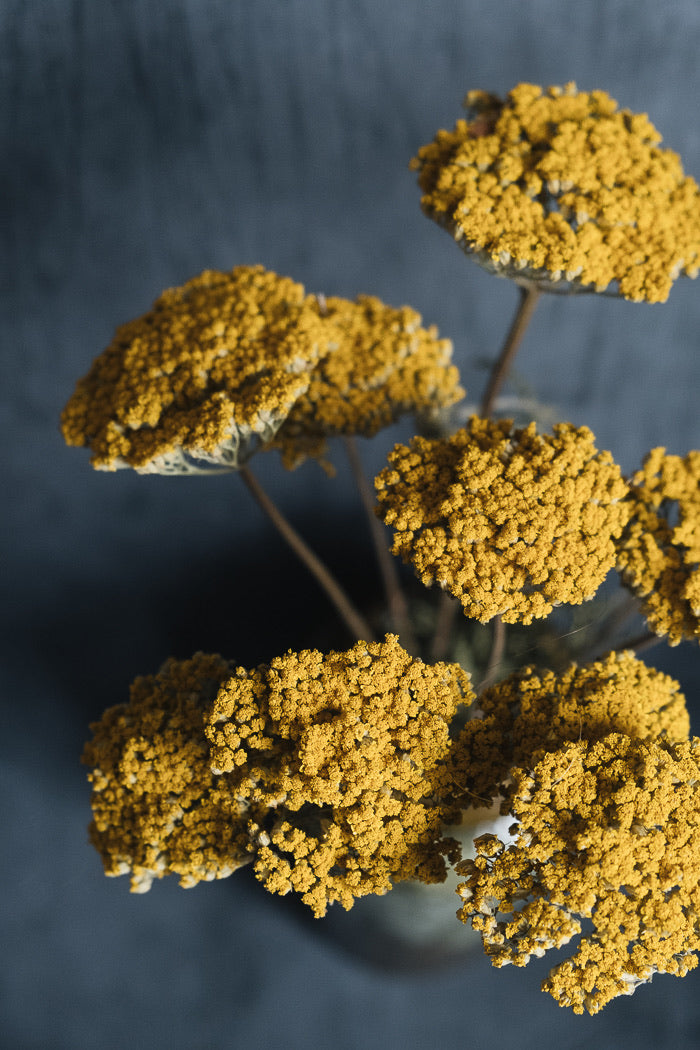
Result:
558,185
347,752
609,832
659,559
385,364
508,521
328,772
533,710
216,367
157,807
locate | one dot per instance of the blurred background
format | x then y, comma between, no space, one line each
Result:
141,144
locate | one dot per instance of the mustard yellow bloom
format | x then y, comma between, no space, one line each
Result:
508,521
384,365
561,188
607,832
659,551
328,772
344,754
215,368
532,711
157,807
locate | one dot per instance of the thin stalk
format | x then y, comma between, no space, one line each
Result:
395,598
640,643
446,612
529,296
498,648
356,623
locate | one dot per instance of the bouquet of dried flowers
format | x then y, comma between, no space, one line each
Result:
340,774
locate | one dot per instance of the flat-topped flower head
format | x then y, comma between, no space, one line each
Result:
157,807
202,378
508,521
533,711
659,551
344,754
213,371
561,188
606,832
384,364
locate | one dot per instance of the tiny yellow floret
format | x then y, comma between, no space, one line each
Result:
508,521
561,188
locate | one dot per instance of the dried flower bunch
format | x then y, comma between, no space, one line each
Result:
216,367
507,520
660,561
559,185
328,772
336,775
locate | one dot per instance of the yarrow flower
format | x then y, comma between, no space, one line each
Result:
348,759
328,772
213,371
561,188
532,711
157,807
659,551
508,521
609,832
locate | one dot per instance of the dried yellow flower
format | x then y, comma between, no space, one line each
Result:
384,365
508,521
559,187
533,710
218,365
157,807
202,378
607,832
344,755
659,552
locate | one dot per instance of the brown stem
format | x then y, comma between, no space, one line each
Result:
446,612
529,296
498,647
356,623
396,600
641,642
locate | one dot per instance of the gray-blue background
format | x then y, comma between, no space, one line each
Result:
141,143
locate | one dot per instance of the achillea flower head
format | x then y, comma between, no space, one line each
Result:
202,378
385,364
157,807
659,551
534,711
607,831
561,188
344,757
217,366
508,521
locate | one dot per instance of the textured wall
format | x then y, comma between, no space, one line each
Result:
142,143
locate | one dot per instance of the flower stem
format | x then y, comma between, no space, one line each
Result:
356,623
529,296
498,647
395,598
